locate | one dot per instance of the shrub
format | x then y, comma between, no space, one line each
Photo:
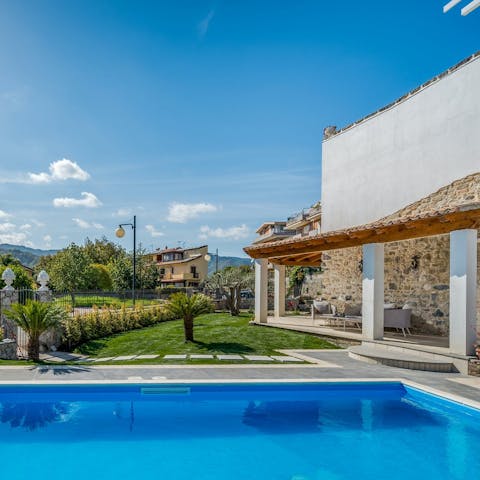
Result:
104,322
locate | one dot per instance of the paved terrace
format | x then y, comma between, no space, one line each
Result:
328,365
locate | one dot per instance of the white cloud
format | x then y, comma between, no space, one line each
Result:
9,234
4,214
205,23
48,241
25,226
84,224
153,232
5,227
89,200
123,212
232,233
182,212
60,170
37,223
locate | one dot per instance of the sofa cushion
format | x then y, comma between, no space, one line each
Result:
321,306
353,310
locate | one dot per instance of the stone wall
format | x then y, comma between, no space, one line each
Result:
424,287
8,349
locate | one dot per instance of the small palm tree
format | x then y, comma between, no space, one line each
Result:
35,318
182,306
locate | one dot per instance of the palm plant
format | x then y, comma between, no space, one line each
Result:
187,308
35,318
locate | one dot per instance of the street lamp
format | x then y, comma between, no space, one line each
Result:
120,233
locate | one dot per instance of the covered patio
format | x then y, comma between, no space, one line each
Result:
460,223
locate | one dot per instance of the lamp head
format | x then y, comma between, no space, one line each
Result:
120,232
207,257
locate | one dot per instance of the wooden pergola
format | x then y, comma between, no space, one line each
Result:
307,251
461,222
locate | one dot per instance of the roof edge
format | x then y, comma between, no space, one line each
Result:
332,132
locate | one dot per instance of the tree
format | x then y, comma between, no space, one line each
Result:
229,282
102,250
7,259
121,272
99,277
35,318
188,308
69,270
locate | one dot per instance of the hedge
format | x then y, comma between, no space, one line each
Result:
101,323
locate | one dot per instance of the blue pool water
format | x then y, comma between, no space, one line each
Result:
284,432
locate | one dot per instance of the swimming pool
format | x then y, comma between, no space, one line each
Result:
247,431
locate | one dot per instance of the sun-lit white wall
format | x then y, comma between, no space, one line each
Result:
405,153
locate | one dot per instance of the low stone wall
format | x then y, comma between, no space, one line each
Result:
8,349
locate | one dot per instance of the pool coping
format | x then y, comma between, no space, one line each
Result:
290,381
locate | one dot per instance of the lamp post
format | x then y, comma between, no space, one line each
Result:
120,233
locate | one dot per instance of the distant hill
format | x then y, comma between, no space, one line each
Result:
226,262
28,256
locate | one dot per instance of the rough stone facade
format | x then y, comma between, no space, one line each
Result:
8,349
416,271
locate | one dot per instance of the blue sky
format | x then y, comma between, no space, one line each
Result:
203,118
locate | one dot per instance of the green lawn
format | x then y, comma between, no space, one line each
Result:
86,301
215,333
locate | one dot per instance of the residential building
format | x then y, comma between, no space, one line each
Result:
182,267
306,222
270,231
418,157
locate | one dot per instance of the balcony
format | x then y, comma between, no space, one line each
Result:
179,277
276,233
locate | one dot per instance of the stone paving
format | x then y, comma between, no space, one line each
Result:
331,365
62,357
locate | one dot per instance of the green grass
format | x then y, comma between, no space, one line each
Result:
216,333
86,301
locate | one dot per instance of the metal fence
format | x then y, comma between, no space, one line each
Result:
77,303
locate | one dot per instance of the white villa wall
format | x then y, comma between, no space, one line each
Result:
405,153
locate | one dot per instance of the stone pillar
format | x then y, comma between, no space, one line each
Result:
279,290
8,296
372,291
261,290
463,291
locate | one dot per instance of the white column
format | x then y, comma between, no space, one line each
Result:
279,290
463,291
261,289
372,291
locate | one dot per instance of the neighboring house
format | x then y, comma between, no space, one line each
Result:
306,222
182,267
420,158
270,231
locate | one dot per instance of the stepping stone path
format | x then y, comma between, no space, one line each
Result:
286,358
60,357
123,357
258,358
230,357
